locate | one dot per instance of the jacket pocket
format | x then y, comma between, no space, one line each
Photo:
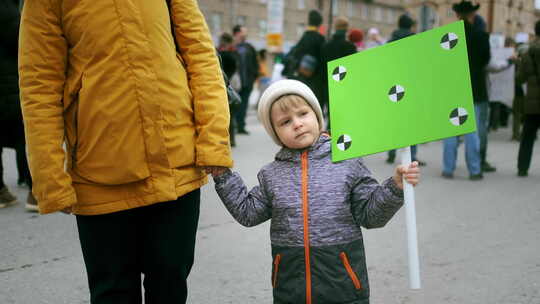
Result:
277,260
109,145
350,271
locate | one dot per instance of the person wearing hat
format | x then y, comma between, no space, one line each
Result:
356,36
374,38
316,207
479,55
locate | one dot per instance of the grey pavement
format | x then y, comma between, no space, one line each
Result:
479,242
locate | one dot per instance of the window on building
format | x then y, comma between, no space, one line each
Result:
241,20
377,14
301,4
263,28
215,22
364,11
537,4
389,17
350,8
335,7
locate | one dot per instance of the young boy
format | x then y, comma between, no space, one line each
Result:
316,206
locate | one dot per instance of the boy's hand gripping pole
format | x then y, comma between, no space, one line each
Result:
410,209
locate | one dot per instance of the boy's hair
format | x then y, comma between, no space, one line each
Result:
342,23
290,101
405,21
314,18
237,28
225,38
537,28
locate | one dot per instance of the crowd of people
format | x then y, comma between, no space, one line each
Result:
307,60
143,108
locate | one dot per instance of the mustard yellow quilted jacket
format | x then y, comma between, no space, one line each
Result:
114,118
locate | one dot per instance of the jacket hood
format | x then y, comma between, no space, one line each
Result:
319,149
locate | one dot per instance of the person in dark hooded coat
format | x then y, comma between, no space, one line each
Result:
11,122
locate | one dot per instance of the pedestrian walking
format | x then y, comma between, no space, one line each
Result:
356,36
263,81
317,247
374,38
11,120
141,121
307,64
528,73
248,70
404,30
229,61
519,97
479,55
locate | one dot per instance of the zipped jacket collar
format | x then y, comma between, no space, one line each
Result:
318,150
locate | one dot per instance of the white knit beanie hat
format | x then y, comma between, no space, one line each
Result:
282,88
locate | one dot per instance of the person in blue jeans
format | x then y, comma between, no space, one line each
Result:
472,151
478,52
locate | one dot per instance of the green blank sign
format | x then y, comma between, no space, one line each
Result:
407,92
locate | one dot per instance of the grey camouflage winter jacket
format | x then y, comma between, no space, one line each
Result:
317,208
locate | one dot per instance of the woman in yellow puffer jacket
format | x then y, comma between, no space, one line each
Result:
139,122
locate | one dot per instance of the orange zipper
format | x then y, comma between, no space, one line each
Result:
348,267
305,211
276,268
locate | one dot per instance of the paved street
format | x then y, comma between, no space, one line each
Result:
479,242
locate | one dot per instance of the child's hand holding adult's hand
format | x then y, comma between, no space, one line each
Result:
411,174
215,171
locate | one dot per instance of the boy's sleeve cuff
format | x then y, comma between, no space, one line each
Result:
394,189
223,177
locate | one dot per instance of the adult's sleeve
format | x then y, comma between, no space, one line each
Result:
206,84
42,66
524,68
485,50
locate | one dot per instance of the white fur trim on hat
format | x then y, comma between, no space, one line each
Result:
282,88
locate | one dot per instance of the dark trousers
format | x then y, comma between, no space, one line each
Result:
241,112
531,123
2,185
414,150
157,241
22,165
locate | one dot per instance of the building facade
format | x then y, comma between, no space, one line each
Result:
223,15
507,17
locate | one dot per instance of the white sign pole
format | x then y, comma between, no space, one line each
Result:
412,239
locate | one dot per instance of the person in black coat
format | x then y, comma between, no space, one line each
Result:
248,70
310,44
336,48
11,122
478,51
229,63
